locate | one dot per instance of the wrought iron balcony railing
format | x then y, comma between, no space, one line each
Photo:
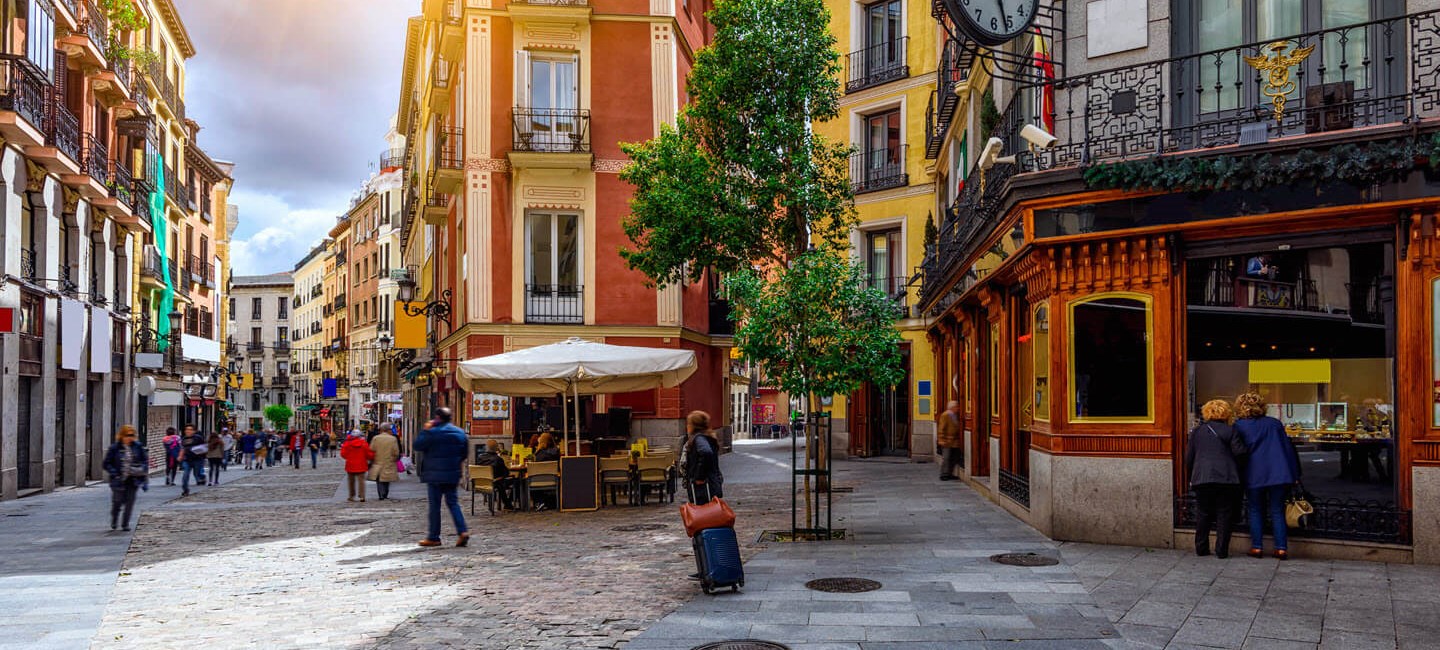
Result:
27,263
878,169
280,381
954,69
878,64
551,130
1383,71
555,3
122,184
121,68
26,91
97,26
450,148
254,346
62,130
97,159
555,303
151,264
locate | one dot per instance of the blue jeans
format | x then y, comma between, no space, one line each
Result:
314,454
452,501
1270,498
186,468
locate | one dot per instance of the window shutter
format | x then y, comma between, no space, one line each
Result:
522,78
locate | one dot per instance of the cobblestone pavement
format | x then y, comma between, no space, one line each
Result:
279,559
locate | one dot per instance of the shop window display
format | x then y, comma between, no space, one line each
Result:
1041,335
1111,368
1312,332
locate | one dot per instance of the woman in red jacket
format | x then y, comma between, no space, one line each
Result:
357,455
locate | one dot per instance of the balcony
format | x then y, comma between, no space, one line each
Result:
295,302
449,168
555,304
452,35
894,288
280,381
62,131
340,257
182,288
255,347
152,267
441,83
437,203
313,365
97,159
954,70
551,130
97,26
878,169
282,347
179,192
878,64
392,159
209,274
25,93
32,350
339,303
121,184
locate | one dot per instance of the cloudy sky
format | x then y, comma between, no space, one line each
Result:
299,95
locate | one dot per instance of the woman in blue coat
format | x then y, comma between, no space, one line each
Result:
1271,468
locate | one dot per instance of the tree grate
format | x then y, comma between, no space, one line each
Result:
742,644
639,528
843,585
1024,559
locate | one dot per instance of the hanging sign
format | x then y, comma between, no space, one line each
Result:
484,406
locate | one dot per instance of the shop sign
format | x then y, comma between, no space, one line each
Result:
484,406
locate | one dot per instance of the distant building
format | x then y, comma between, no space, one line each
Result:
261,308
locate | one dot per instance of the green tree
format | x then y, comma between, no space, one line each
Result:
279,415
743,187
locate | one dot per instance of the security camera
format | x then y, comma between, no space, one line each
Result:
991,153
1037,137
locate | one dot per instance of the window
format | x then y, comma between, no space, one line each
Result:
884,257
232,307
257,309
282,368
884,29
255,404
992,371
550,87
281,397
553,248
1040,334
255,335
1111,371
282,334
40,37
1221,24
256,368
882,165
282,308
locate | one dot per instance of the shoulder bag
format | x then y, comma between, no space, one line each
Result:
1297,508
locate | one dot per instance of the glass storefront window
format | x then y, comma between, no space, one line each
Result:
993,385
1111,368
1435,350
1041,332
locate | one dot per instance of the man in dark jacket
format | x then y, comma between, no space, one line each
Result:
192,450
444,446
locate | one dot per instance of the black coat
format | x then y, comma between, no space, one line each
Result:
112,463
702,463
1213,454
496,463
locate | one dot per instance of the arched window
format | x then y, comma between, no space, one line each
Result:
1111,361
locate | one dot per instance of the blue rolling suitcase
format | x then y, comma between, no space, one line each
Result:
717,556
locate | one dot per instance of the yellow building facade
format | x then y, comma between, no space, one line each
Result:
889,53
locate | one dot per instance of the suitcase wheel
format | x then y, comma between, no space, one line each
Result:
706,588
734,589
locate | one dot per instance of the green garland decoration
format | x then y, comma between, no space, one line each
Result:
1360,165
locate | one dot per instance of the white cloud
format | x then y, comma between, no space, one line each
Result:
279,233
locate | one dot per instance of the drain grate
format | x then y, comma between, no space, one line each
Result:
843,585
742,644
639,528
1024,559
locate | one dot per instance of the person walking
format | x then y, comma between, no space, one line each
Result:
171,442
262,450
128,465
297,443
227,440
214,457
702,460
192,459
357,455
317,444
248,444
276,445
1212,455
1271,468
444,446
386,450
950,439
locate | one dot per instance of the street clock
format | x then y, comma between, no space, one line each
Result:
992,22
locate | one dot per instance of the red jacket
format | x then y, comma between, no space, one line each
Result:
297,441
357,455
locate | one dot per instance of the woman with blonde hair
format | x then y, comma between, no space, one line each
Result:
128,465
1271,468
545,449
1212,455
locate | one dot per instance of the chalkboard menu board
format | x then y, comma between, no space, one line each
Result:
579,483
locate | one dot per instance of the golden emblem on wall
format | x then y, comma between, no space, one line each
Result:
1276,63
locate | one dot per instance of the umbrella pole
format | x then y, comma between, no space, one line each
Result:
564,419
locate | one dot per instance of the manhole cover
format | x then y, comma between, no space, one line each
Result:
743,644
353,522
843,585
1024,559
638,528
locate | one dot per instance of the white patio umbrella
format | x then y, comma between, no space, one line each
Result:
578,367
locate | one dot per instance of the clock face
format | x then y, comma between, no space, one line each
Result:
992,22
